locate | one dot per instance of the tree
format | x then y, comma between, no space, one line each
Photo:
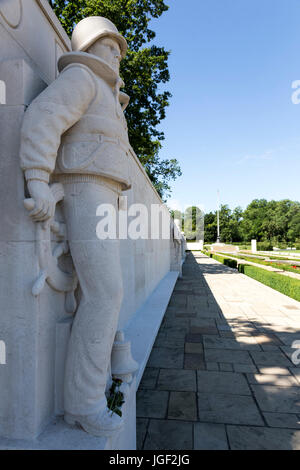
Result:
210,227
293,229
193,223
273,222
253,220
143,70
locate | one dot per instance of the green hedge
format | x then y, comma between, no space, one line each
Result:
231,263
205,252
283,267
285,285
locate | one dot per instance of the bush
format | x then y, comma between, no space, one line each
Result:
264,246
286,285
231,263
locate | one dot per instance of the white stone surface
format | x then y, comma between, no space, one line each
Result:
2,92
15,225
194,246
36,37
60,436
22,84
144,325
63,332
223,248
253,246
83,145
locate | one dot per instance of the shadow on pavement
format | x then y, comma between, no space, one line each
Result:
220,376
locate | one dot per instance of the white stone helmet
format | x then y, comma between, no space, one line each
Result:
88,30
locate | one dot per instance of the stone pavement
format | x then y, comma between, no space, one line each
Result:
220,375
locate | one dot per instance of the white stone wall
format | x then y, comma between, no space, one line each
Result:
144,262
30,46
35,329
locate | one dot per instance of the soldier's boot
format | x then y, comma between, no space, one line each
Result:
102,424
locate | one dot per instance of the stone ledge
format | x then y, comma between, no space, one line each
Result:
142,332
143,327
60,436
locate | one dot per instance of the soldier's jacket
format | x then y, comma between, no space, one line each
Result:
77,124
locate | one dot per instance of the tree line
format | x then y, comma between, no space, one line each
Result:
271,222
266,221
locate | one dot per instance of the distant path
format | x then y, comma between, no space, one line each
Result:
220,375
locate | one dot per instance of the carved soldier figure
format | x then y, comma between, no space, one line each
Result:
75,133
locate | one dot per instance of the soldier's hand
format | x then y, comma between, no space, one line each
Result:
44,203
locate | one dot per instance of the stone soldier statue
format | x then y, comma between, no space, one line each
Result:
75,133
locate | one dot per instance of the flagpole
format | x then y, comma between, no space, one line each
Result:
218,218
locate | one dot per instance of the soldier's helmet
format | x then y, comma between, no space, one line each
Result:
90,29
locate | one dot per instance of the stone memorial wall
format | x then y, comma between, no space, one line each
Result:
34,320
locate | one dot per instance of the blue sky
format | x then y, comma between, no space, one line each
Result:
231,122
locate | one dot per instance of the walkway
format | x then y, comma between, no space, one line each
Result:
220,375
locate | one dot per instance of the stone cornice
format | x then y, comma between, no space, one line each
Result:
53,20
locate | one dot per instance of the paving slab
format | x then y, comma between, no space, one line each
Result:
269,347
264,339
283,420
245,368
166,358
254,438
177,380
189,315
215,342
194,362
212,366
292,354
169,435
141,429
203,322
227,334
182,405
194,338
175,332
222,382
227,355
171,343
228,409
270,359
204,330
276,380
296,372
274,370
178,300
207,313
152,404
193,348
277,399
224,327
149,378
170,322
209,436
287,339
224,367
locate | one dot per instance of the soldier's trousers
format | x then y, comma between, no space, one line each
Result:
97,264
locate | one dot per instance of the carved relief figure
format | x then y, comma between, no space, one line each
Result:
75,133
